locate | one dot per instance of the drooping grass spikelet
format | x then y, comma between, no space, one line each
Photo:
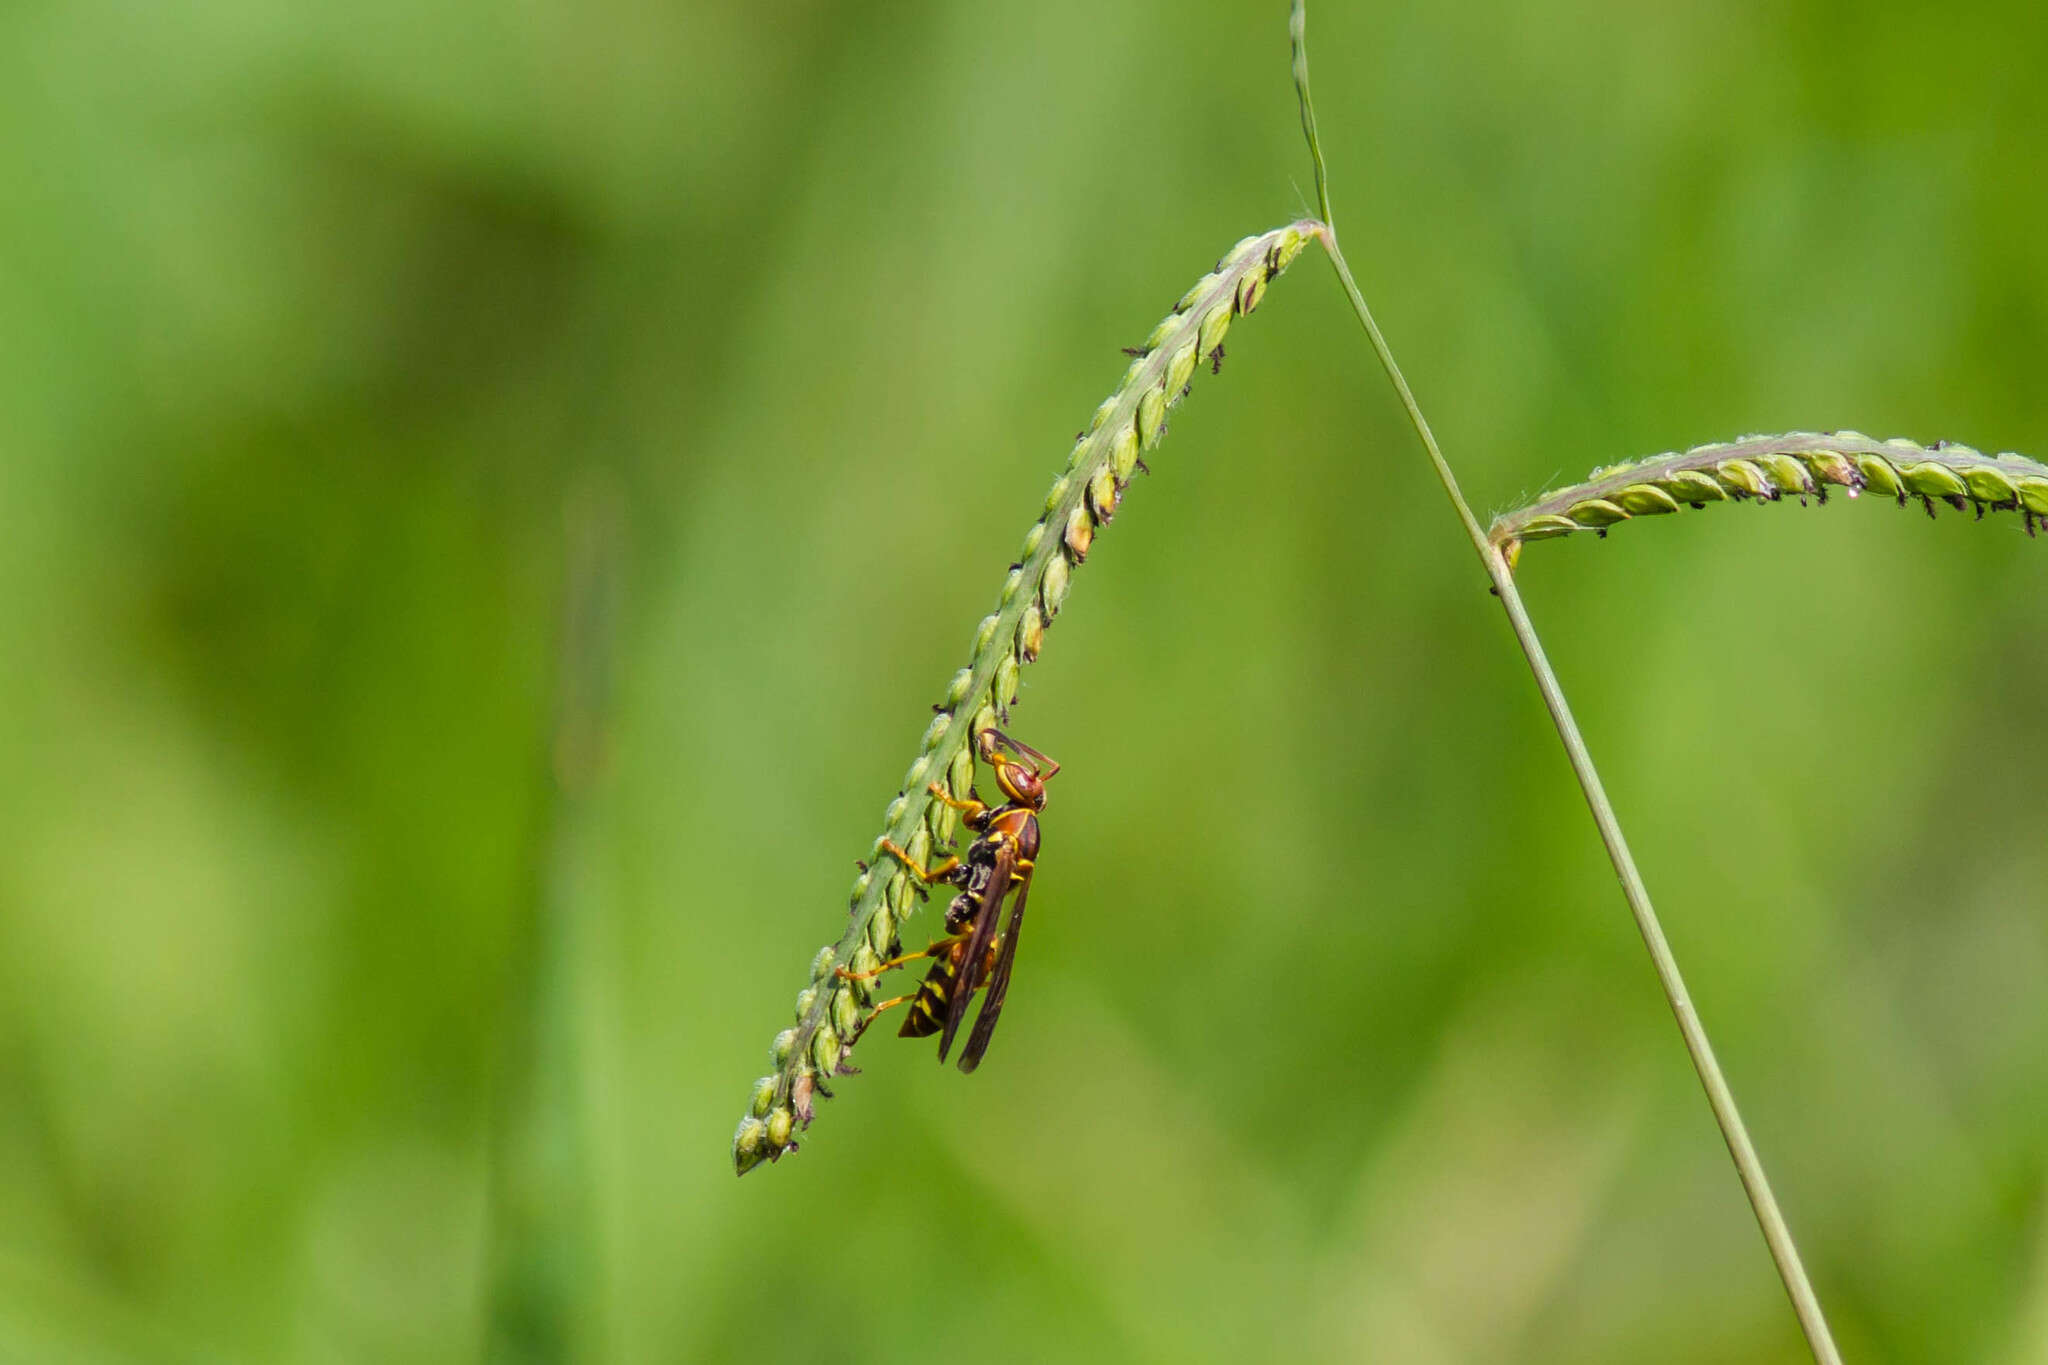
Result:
1082,500
1769,468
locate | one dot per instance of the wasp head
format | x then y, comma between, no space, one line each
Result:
1017,767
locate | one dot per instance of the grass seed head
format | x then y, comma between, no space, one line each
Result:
1768,468
1082,500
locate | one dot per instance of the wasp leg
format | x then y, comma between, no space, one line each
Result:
923,873
846,974
846,1045
970,808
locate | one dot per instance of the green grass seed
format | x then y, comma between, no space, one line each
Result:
1771,468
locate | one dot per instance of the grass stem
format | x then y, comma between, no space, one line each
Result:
1748,1165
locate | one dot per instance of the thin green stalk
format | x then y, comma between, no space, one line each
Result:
1297,34
540,1243
1750,1167
1747,1164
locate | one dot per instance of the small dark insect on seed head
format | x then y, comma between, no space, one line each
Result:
938,708
860,864
1955,500
1820,494
1016,566
1081,435
1697,506
1141,466
1980,511
1135,351
1216,359
1493,589
1185,390
1600,531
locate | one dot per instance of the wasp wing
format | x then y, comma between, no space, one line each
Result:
998,983
986,915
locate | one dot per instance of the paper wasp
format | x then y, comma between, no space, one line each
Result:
999,861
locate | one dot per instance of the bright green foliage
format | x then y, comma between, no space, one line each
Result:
1325,1042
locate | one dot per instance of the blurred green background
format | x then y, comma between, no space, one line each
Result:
487,493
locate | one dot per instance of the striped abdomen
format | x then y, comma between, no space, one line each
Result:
927,1013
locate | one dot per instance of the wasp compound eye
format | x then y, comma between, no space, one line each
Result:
1021,783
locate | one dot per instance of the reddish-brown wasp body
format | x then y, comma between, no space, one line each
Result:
999,862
